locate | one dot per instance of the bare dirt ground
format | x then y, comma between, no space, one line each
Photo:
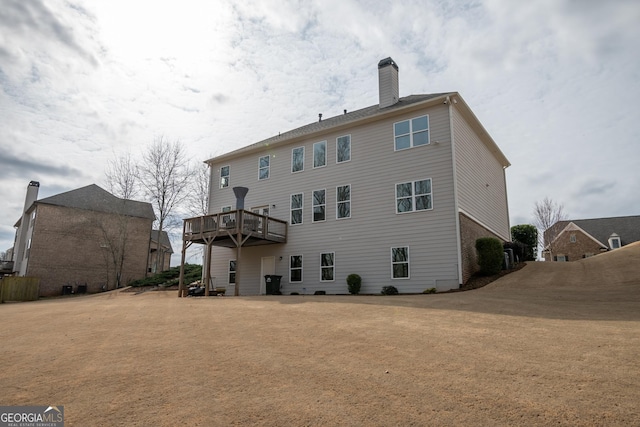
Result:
551,344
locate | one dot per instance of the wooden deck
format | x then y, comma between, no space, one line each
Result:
223,229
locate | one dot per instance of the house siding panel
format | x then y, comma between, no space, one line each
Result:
481,184
362,243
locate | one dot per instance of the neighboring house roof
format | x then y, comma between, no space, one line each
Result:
94,198
353,117
627,227
165,241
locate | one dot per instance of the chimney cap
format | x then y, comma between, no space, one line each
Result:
386,62
34,184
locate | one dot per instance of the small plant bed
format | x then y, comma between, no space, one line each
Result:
167,280
478,280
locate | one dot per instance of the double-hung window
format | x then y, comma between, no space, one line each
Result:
343,149
320,154
297,159
224,176
343,201
319,205
414,196
297,201
295,269
400,262
411,133
327,264
263,167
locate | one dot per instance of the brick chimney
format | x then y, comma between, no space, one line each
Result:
388,82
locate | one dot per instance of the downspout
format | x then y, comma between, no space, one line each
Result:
455,192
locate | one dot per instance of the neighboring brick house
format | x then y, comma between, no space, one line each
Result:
159,254
572,240
86,238
396,192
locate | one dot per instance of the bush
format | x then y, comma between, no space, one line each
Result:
429,291
490,255
192,272
320,293
389,290
354,282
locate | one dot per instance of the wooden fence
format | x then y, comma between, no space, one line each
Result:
19,288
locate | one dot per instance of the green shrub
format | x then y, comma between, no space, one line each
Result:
490,255
354,282
429,291
389,290
192,272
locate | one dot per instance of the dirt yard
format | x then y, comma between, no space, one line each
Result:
551,344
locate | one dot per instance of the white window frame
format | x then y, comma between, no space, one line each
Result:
293,151
572,238
558,258
414,196
331,266
225,183
615,238
301,268
338,149
314,206
232,271
411,133
301,208
321,143
264,168
408,262
338,202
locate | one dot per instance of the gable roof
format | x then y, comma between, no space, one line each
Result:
627,227
370,113
94,198
164,241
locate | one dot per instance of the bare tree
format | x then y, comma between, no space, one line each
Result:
121,177
198,197
164,175
545,214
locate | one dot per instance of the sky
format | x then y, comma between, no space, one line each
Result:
556,84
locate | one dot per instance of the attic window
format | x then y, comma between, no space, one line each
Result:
572,238
614,241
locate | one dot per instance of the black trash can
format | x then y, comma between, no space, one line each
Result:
273,284
67,290
82,289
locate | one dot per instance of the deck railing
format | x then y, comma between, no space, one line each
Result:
232,222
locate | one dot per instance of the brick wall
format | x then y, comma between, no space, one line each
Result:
583,245
73,247
470,231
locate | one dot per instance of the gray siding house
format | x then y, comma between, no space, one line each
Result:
397,192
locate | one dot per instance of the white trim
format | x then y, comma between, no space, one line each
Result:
337,150
292,150
413,196
301,208
344,201
228,177
313,149
573,227
456,205
411,132
332,266
313,205
268,167
408,263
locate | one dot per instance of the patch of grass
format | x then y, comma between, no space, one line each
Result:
192,272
